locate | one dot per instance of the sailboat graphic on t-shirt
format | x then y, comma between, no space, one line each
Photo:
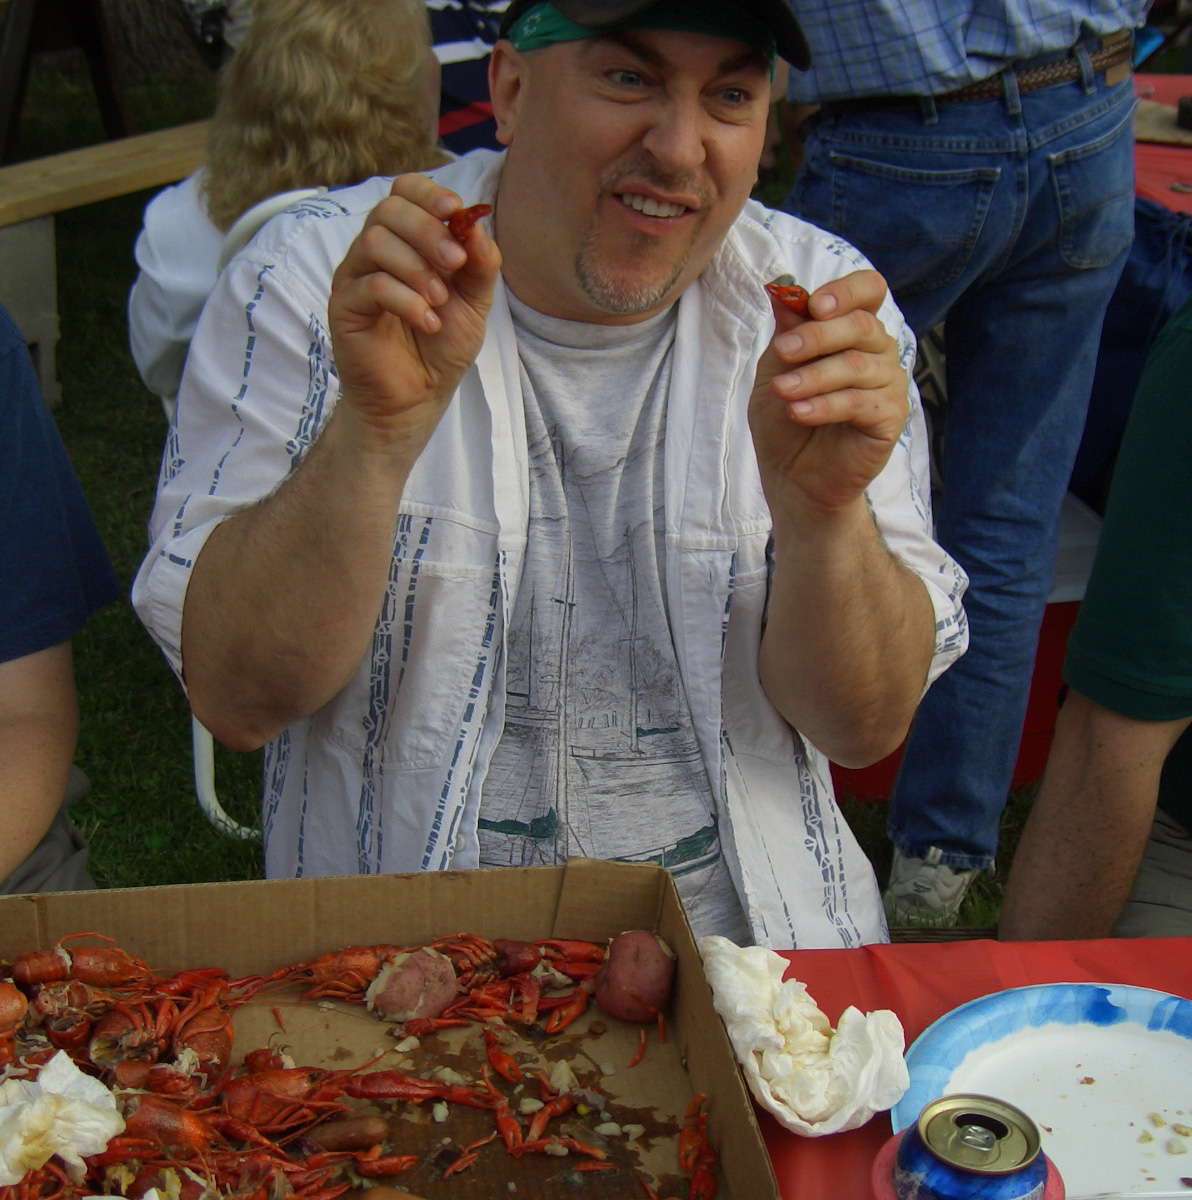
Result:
628,741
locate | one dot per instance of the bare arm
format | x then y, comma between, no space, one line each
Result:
1080,850
39,728
284,596
850,631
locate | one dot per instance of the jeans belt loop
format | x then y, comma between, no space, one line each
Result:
1010,93
928,110
1088,77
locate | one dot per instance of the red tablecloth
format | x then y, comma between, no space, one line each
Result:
1156,166
921,982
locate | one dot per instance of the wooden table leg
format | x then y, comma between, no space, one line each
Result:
33,26
14,68
90,29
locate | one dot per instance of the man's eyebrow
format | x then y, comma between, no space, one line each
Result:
751,57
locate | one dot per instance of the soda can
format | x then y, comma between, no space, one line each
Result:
968,1146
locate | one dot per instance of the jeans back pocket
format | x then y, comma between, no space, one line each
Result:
923,223
1094,191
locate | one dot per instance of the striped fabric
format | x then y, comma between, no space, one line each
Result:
464,32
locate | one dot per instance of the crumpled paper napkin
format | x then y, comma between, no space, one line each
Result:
62,1112
814,1079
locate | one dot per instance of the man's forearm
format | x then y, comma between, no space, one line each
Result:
849,637
1078,855
39,727
284,596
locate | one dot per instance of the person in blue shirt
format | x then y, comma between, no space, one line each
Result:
54,573
981,156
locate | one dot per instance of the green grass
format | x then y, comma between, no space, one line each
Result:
141,819
983,903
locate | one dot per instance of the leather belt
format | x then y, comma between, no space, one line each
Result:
1116,50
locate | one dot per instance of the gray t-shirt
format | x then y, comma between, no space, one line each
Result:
598,756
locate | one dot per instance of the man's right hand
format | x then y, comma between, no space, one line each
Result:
408,308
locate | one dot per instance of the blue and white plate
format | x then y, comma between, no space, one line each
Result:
1103,1069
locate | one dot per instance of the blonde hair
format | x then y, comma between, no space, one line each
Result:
321,92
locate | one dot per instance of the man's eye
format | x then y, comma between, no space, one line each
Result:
735,96
626,78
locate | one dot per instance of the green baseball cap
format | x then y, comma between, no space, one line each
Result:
775,16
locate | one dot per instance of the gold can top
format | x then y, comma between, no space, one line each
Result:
979,1134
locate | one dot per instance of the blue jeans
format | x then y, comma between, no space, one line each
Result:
1008,221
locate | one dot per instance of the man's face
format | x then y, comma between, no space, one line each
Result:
629,158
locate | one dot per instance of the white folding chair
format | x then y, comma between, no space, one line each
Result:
202,742
204,760
238,236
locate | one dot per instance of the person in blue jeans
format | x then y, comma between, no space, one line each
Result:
981,156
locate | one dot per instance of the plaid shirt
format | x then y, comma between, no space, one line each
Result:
927,47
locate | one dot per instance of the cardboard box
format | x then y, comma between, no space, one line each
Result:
252,928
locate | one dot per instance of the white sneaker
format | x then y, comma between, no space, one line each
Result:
925,891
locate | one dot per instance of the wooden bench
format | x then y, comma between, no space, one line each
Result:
32,192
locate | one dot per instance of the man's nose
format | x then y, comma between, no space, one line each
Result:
676,137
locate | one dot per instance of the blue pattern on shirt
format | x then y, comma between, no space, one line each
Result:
928,47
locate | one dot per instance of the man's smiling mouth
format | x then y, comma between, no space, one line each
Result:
650,207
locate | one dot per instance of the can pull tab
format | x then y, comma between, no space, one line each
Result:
979,1133
978,1138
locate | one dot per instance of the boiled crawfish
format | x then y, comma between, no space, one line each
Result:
13,1007
340,974
102,966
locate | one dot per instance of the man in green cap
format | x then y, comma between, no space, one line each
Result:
560,538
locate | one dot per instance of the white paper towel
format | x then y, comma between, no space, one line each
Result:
61,1113
814,1079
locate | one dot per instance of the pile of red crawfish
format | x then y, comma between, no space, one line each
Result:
200,1125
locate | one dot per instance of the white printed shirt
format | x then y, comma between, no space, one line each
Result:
388,776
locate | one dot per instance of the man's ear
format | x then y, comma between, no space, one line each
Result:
506,81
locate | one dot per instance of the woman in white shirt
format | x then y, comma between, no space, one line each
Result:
321,93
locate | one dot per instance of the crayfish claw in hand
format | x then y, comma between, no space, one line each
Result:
788,293
460,223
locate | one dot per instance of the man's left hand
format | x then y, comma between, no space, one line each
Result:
830,398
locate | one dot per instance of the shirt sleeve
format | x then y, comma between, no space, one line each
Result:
259,382
177,251
54,569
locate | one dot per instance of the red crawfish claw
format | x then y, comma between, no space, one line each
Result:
460,223
791,295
